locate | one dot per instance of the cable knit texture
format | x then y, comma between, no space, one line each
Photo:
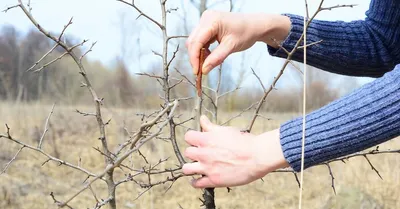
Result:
366,117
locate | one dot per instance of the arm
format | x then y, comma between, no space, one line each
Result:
358,48
365,118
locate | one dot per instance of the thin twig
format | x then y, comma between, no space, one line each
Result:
59,161
373,167
46,127
65,28
11,7
142,13
44,56
120,159
332,177
12,160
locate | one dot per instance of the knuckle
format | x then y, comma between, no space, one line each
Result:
189,41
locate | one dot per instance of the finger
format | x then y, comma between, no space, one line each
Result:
192,153
191,36
196,154
203,38
206,124
217,56
193,168
196,138
203,182
189,43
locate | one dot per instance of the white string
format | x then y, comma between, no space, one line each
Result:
304,107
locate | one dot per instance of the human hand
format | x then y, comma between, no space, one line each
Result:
228,157
234,32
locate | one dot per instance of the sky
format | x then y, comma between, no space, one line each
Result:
119,34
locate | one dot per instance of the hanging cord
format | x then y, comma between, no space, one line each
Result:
304,108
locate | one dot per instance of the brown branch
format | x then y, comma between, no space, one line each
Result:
200,74
258,78
166,79
338,6
143,128
144,158
362,154
58,58
29,6
373,167
287,61
332,177
194,85
12,160
297,179
51,62
121,158
96,99
170,10
307,11
44,56
229,92
142,13
87,52
239,114
150,75
173,56
65,28
310,44
102,203
46,127
84,113
58,202
176,37
208,193
61,162
94,195
11,7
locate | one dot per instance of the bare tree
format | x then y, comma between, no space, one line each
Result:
150,128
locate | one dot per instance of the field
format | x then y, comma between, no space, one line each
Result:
27,184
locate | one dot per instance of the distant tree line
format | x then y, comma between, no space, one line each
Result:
60,81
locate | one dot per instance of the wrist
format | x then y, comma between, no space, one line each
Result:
269,153
274,29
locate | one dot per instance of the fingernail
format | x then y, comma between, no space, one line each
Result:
192,182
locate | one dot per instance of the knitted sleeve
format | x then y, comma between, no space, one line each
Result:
365,118
369,47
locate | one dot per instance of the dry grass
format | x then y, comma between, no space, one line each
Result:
27,184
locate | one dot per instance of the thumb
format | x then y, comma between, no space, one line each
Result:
206,124
217,56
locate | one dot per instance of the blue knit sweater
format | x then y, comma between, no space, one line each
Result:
366,117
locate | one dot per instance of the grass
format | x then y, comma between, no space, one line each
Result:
27,184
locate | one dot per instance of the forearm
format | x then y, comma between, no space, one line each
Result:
269,152
365,118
